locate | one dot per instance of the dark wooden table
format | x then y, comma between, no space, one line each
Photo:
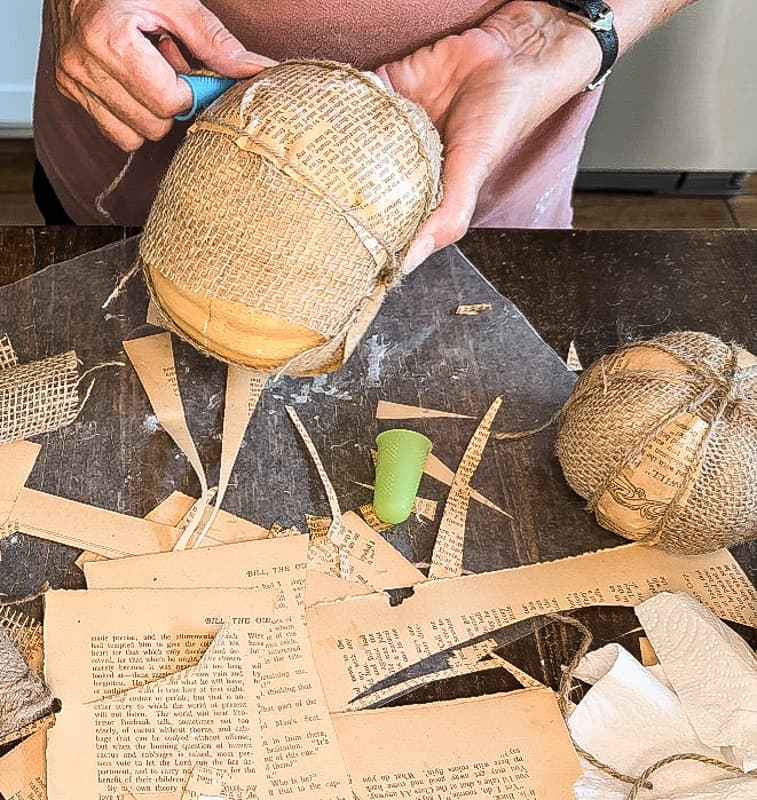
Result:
598,288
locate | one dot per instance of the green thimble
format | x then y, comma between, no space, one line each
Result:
401,457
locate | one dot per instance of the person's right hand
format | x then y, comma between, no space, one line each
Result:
106,63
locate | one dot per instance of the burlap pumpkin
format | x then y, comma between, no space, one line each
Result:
661,439
285,214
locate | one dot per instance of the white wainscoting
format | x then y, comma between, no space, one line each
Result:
19,42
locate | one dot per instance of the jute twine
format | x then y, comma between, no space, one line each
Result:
296,194
642,781
615,415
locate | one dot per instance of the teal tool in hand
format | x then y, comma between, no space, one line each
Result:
205,89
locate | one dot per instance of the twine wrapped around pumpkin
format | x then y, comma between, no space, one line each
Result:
289,208
661,439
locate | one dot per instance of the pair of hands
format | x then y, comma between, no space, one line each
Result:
484,89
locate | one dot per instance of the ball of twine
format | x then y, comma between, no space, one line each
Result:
661,439
296,195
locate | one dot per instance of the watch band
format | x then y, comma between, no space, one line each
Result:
599,18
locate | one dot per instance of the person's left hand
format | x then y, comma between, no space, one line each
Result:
484,90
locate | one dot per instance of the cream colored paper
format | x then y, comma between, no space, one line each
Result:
288,668
243,390
22,770
152,359
108,533
226,528
267,564
363,639
437,469
647,653
388,410
329,555
103,643
17,460
505,745
322,587
447,557
473,309
572,361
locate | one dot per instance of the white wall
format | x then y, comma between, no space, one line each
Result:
19,42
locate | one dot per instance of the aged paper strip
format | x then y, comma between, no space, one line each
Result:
22,770
267,564
108,533
296,732
17,461
473,309
243,390
152,359
363,640
447,557
226,528
504,745
437,469
388,410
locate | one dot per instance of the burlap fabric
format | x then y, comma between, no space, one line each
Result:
296,194
661,439
38,397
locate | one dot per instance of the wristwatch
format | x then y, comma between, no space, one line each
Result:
599,18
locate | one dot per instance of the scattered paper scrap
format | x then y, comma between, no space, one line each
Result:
442,614
473,310
271,563
22,770
387,410
243,390
573,362
437,469
447,557
504,745
226,528
648,655
68,522
17,460
153,361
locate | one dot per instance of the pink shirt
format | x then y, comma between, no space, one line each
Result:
531,188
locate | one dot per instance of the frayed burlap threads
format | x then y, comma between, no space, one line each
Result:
296,195
661,439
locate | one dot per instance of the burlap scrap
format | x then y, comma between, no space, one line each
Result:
38,397
272,189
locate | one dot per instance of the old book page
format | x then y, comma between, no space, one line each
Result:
100,644
297,735
266,564
511,745
22,770
364,639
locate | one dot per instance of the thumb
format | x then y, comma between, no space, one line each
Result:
212,43
463,174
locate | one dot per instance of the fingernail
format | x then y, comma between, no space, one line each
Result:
419,251
254,58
